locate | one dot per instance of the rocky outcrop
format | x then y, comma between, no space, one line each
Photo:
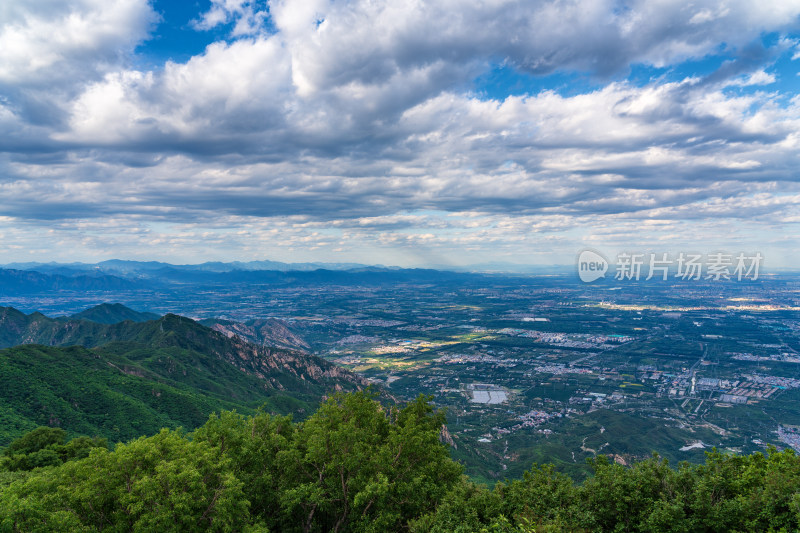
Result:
263,332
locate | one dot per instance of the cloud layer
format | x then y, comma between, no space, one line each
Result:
321,128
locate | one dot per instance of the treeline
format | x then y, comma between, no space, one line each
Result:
356,465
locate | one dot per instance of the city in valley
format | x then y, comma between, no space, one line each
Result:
532,368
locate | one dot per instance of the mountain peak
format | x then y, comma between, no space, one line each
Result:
112,313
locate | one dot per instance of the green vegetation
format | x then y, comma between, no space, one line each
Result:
352,466
356,465
46,446
113,313
95,392
140,377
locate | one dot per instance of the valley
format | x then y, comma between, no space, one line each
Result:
530,368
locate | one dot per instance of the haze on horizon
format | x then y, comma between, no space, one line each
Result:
400,133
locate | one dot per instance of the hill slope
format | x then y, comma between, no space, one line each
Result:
94,392
281,367
191,366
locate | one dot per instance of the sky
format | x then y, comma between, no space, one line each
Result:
413,133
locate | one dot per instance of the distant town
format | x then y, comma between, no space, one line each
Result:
534,368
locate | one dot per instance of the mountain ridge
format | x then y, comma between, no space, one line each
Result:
173,353
108,313
168,331
13,282
122,266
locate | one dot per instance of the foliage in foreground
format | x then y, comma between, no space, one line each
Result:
352,466
358,466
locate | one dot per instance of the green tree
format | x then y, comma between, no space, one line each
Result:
164,482
619,498
542,497
252,444
745,493
356,466
44,447
466,508
38,439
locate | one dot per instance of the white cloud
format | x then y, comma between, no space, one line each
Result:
619,149
355,117
228,92
248,16
371,42
756,78
48,41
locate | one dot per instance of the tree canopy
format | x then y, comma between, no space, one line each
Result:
357,465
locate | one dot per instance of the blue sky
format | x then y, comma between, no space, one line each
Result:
408,133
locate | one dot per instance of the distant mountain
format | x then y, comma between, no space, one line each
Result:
369,276
112,313
263,332
266,265
153,275
16,282
123,268
172,351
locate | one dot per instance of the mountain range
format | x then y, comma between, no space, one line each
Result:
120,380
29,279
15,282
125,268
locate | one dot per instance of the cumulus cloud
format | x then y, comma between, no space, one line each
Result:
214,100
248,17
358,116
51,41
619,149
338,43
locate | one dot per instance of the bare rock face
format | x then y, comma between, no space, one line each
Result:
446,437
274,364
263,332
267,346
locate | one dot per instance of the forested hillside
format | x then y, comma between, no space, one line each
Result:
356,465
112,313
122,380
